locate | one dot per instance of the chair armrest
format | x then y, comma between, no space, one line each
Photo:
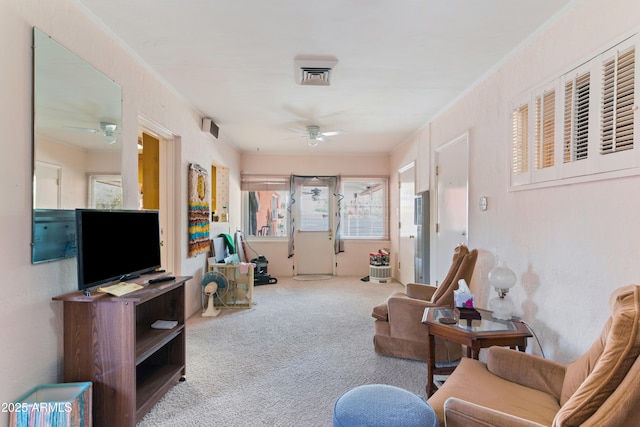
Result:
460,413
527,370
420,291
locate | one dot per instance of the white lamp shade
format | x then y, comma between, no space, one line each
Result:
502,278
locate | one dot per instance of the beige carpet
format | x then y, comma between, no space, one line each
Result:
285,361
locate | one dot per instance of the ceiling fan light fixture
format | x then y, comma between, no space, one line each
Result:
109,130
313,142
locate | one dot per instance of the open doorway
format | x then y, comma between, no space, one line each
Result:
156,183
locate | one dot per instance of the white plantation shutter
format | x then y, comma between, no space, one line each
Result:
591,110
520,140
576,119
545,132
618,94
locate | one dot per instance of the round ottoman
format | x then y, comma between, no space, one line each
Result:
379,405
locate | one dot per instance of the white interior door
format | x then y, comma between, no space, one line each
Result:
48,177
451,202
315,219
407,231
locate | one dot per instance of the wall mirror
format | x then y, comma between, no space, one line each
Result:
77,146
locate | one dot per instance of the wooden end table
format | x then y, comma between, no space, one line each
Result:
480,334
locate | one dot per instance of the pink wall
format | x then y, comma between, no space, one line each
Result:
32,322
571,245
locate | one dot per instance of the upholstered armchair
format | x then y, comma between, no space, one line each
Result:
601,388
398,326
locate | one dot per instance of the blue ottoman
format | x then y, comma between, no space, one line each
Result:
379,405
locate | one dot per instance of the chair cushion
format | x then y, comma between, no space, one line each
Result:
471,381
593,377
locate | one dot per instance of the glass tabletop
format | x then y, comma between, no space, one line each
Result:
487,324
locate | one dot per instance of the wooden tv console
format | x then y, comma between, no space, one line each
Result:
109,341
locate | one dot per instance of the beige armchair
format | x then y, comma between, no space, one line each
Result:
398,327
601,388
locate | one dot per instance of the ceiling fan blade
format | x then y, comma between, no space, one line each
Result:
333,133
300,131
83,129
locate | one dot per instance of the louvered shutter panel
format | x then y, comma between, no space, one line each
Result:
544,132
576,119
618,89
520,140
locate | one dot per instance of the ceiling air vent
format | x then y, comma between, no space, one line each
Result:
314,70
315,76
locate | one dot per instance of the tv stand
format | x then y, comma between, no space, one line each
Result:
109,341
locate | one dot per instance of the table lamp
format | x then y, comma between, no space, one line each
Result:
502,279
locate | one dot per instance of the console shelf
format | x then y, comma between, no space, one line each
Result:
109,341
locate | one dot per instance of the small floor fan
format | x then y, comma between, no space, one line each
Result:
211,283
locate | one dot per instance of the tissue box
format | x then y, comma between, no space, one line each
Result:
463,299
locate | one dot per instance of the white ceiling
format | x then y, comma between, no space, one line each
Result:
400,63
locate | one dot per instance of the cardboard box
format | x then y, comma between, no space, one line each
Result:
53,405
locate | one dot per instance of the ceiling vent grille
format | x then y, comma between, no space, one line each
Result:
315,76
314,70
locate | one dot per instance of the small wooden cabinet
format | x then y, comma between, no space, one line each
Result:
109,341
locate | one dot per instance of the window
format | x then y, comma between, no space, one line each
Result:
590,110
265,200
314,208
105,191
364,208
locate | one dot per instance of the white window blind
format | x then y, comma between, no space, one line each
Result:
618,89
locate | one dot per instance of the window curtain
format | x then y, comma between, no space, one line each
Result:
333,182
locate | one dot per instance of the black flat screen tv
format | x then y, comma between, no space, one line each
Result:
116,245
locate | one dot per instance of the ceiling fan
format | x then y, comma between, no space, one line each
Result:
106,128
312,132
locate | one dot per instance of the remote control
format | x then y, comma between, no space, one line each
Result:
161,279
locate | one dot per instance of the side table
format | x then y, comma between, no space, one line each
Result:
480,334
